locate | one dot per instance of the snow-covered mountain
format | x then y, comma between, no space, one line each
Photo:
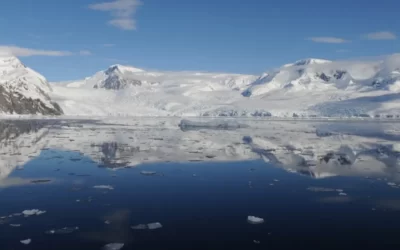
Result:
24,91
124,90
306,88
309,87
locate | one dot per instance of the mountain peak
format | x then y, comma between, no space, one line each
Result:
307,61
10,61
123,69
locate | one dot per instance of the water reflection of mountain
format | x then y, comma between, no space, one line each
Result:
304,148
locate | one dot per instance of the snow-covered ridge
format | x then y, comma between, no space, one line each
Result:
23,90
306,88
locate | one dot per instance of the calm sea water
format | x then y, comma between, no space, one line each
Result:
316,185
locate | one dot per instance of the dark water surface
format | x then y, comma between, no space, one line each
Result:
336,189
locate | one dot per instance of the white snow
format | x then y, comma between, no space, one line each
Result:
254,220
305,88
26,242
104,187
16,77
310,87
32,212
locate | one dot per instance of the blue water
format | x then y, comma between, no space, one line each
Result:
201,205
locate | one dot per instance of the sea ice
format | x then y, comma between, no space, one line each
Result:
155,225
26,242
104,187
255,220
148,172
32,212
65,230
113,246
215,124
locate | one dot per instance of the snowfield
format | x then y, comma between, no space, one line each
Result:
306,88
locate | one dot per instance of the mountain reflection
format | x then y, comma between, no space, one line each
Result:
296,147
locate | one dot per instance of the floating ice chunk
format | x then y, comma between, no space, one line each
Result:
113,246
155,225
32,212
339,190
140,227
15,225
212,124
20,168
254,220
26,242
65,230
107,222
150,226
392,184
342,194
104,187
396,147
148,172
256,241
320,189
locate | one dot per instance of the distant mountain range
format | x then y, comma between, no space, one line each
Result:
306,88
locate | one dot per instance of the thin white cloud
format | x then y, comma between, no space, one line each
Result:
108,45
85,53
25,52
122,12
326,39
115,60
381,35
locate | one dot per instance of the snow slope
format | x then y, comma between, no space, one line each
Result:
309,87
24,91
123,90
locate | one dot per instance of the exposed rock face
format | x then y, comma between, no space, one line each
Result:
119,77
24,91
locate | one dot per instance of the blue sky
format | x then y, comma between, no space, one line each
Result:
71,39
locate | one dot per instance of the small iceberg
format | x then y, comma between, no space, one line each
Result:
15,225
155,225
148,173
150,226
65,230
255,220
31,212
104,187
26,242
211,124
113,246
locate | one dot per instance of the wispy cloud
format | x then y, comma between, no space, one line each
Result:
12,50
327,39
381,35
25,52
115,60
85,53
108,45
122,12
